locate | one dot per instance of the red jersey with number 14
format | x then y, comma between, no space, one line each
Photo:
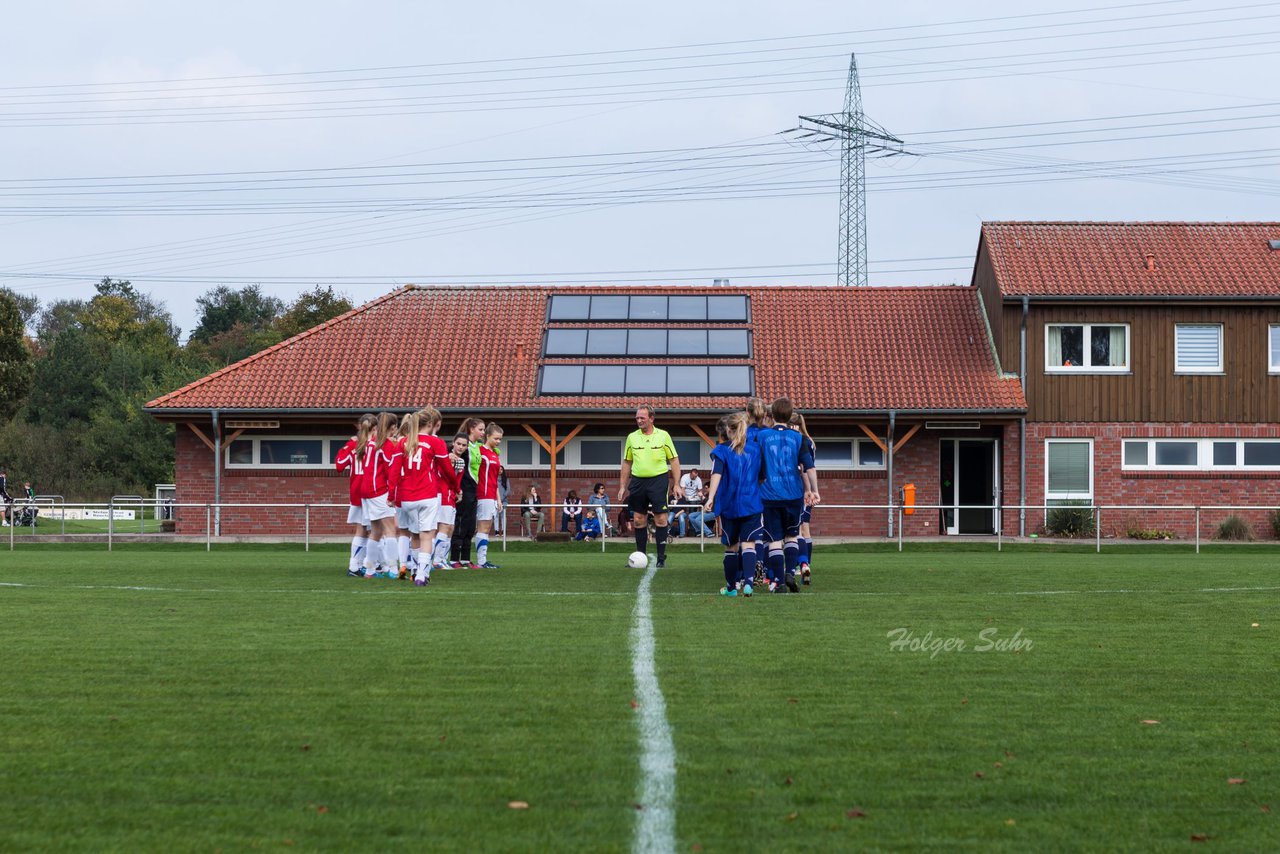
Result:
415,476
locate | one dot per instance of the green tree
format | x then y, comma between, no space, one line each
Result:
311,309
15,358
224,308
56,318
28,305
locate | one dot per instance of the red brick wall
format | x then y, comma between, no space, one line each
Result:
1112,485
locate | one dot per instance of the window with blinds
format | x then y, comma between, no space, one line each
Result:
1068,469
1198,348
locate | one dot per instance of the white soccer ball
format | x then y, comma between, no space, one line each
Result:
638,560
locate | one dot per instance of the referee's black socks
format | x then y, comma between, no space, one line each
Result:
642,538
661,537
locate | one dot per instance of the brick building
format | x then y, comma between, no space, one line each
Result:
886,377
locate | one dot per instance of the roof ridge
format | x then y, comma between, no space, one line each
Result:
1134,222
275,347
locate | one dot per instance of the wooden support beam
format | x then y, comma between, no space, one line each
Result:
576,430
233,437
554,500
879,442
695,428
203,437
898,444
541,441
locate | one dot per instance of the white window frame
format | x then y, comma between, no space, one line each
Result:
1087,368
854,455
1071,496
1273,366
573,454
1214,369
1204,454
325,452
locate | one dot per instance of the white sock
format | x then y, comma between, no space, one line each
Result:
402,546
372,551
482,549
389,547
357,552
424,565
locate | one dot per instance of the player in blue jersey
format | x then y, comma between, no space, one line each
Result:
805,540
735,498
790,483
757,420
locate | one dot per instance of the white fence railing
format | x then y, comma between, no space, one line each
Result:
128,516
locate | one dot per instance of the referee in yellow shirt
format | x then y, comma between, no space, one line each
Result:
650,469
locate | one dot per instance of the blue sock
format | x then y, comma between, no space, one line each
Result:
806,549
732,568
746,566
762,552
792,552
774,564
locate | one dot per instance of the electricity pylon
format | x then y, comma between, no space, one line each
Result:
857,136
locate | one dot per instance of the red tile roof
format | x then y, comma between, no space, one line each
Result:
1109,259
473,347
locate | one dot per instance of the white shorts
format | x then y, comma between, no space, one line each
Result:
355,516
448,514
377,508
418,516
486,509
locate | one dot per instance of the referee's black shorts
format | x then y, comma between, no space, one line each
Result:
648,493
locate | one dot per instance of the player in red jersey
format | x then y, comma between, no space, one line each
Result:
487,506
449,472
404,537
415,485
380,452
349,459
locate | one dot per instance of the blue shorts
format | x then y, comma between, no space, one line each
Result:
782,519
739,530
806,516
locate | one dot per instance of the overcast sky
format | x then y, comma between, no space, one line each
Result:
367,145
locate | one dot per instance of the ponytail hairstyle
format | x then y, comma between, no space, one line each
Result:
722,429
736,431
429,419
757,411
797,421
403,429
468,425
409,429
387,422
492,429
364,427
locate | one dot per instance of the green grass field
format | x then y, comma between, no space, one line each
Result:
164,698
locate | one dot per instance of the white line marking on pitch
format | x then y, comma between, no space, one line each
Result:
656,818
398,589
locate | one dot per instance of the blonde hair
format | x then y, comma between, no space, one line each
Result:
493,429
757,411
736,431
797,420
387,422
364,427
429,418
409,429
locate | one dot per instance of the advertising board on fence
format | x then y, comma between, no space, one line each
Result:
87,513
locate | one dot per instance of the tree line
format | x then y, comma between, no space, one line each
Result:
75,375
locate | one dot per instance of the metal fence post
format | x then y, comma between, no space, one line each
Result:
899,527
306,521
208,528
111,521
1196,508
1097,527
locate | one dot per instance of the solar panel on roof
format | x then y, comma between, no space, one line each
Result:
646,308
646,379
570,308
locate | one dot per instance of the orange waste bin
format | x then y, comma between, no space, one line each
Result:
909,499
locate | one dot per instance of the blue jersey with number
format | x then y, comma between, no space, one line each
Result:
738,494
785,454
